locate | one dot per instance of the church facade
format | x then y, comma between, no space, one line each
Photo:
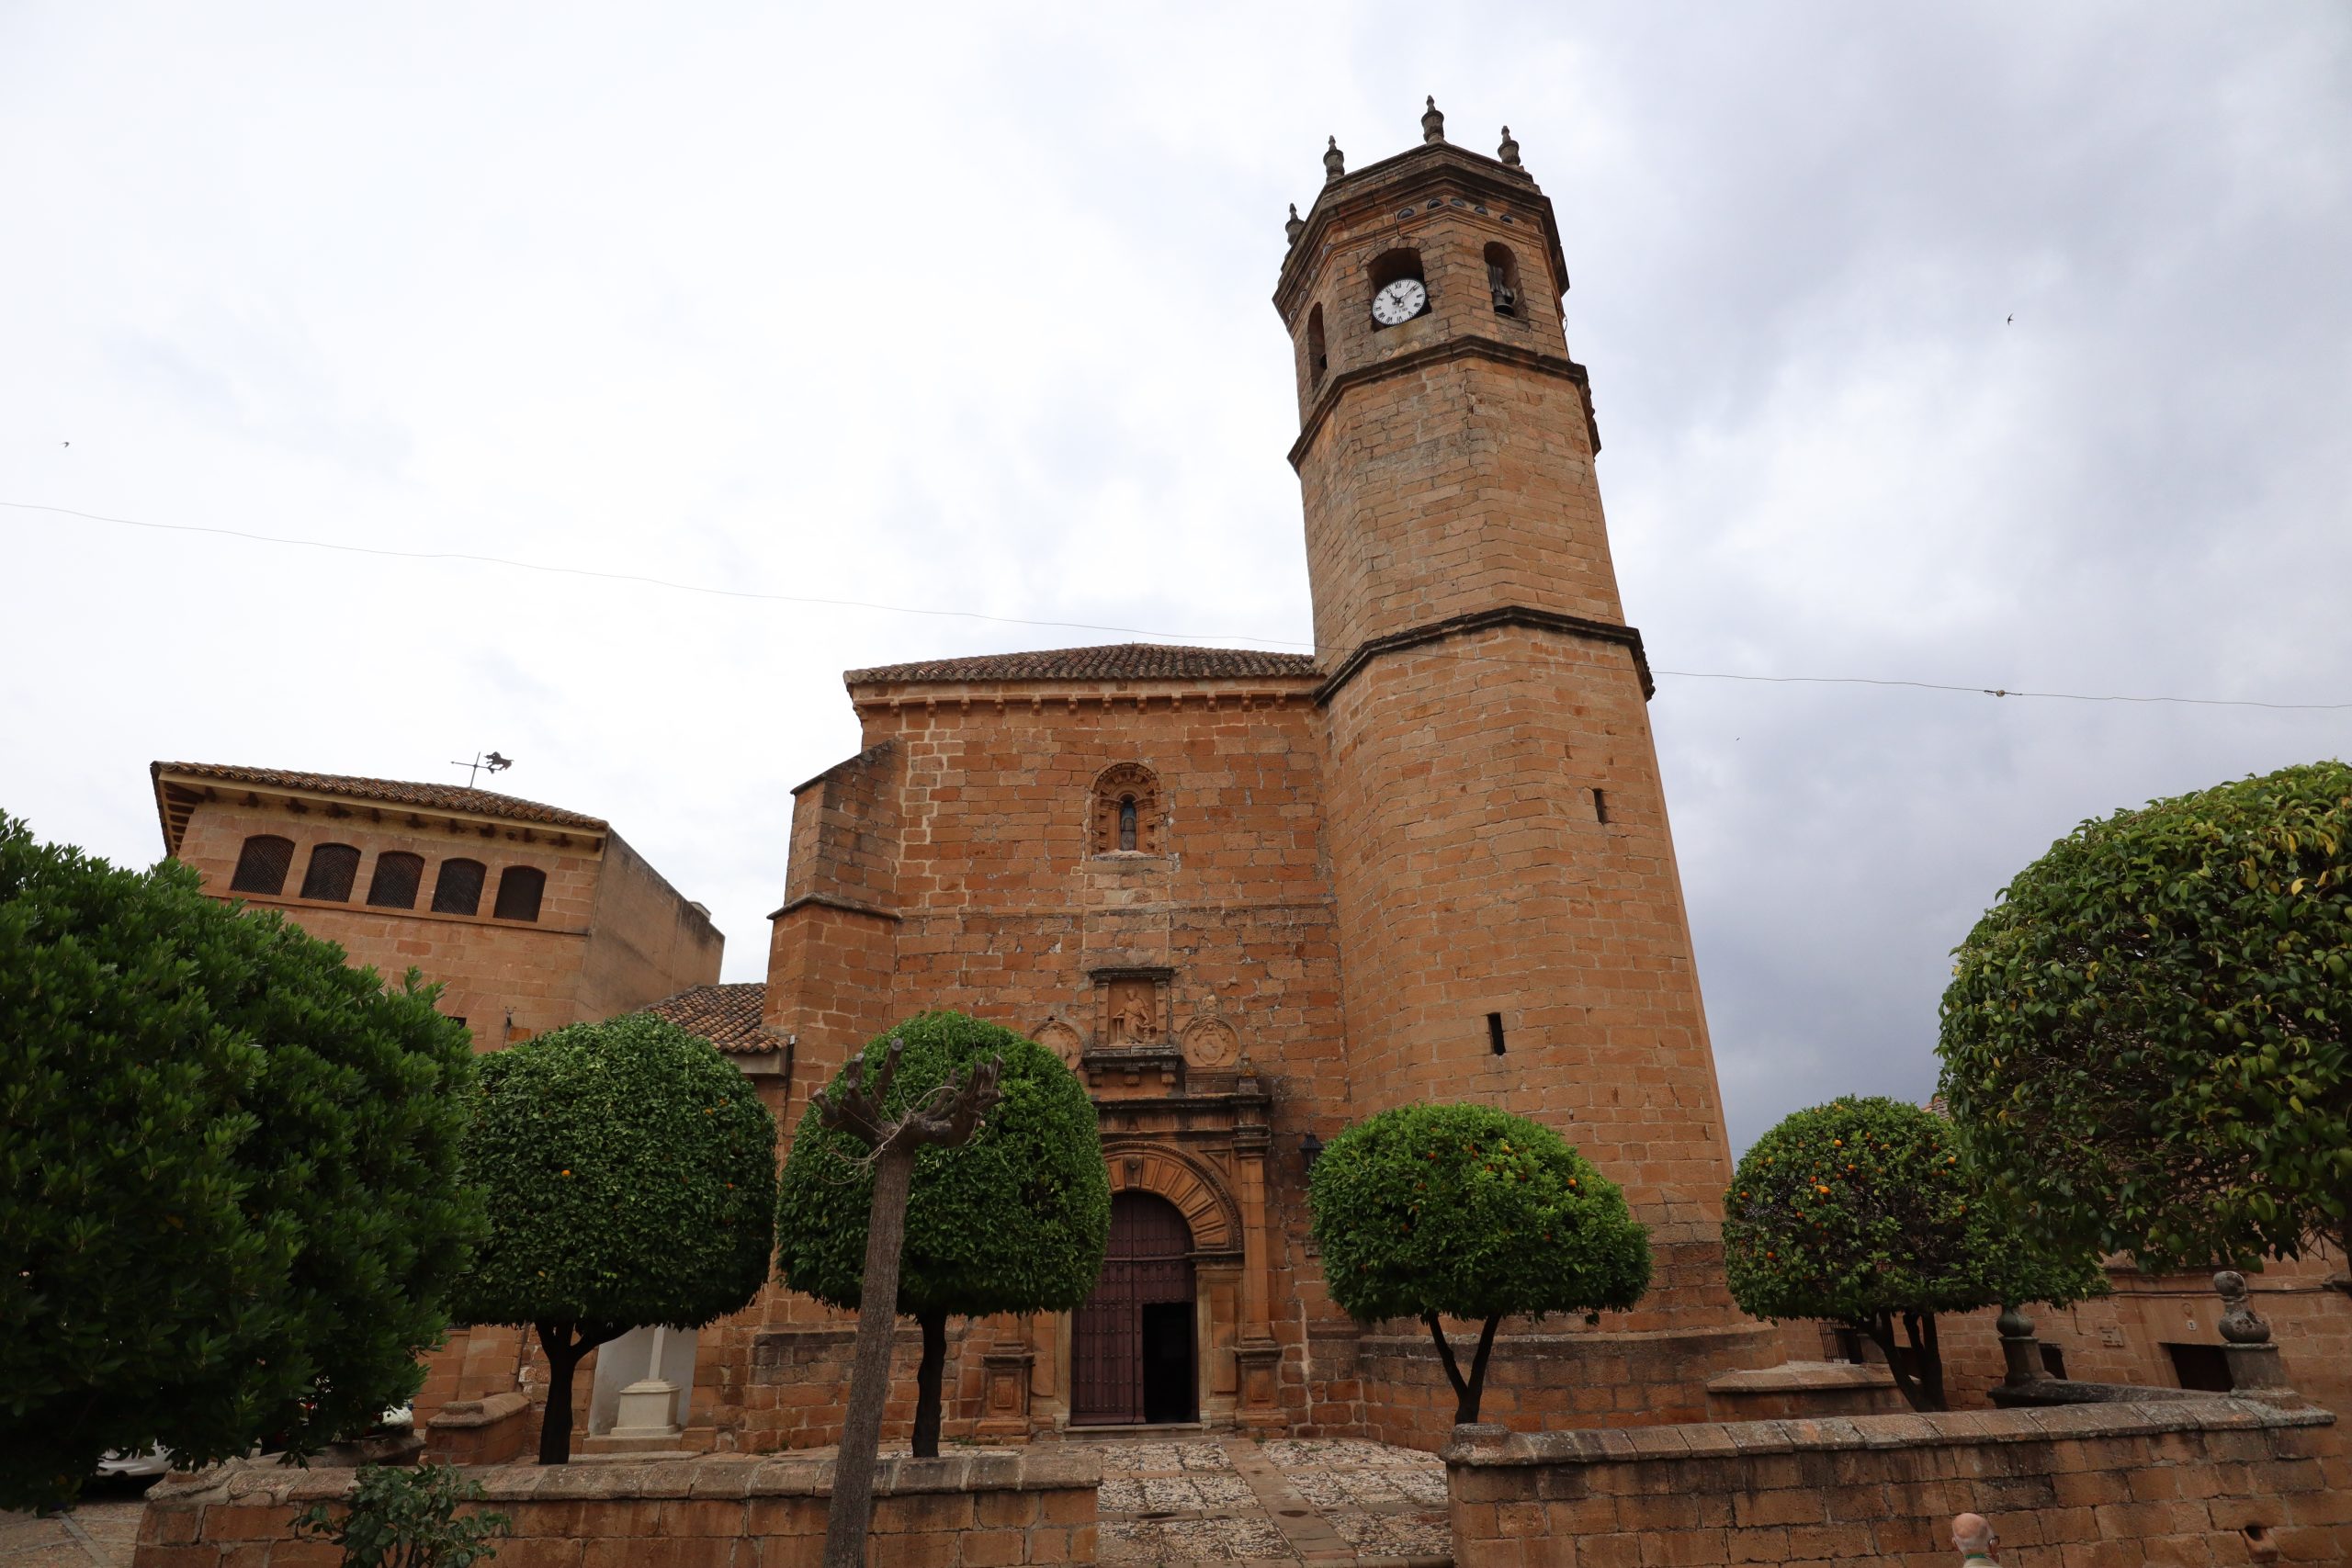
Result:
1251,897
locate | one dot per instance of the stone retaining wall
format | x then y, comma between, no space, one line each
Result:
1398,1390
958,1511
2196,1481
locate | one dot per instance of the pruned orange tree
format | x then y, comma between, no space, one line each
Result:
1013,1221
1434,1212
2149,1039
1865,1211
230,1209
629,1171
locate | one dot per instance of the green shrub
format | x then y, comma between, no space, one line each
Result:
629,1171
407,1519
229,1195
1013,1221
1865,1213
2149,1039
1467,1212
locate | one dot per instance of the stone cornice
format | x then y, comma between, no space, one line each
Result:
833,901
1375,186
1417,359
1484,620
1036,697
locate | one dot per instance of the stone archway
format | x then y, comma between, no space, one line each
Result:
1198,1192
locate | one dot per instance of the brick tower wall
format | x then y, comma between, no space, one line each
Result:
1495,822
1476,876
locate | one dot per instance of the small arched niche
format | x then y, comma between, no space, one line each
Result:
1502,280
1318,357
1126,818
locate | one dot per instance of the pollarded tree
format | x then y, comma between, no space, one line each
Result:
229,1196
630,1175
2150,1037
1013,1221
1462,1211
1864,1212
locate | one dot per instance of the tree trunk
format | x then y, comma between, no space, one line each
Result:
852,1511
927,1376
566,1344
1467,1392
1917,1366
1927,1356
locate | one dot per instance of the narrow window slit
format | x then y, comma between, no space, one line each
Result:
1601,806
1495,1032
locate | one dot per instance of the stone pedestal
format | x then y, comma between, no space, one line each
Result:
2019,1349
649,1410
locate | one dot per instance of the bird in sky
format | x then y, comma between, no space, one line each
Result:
2011,321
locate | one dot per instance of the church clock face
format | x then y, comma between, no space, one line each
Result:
1399,302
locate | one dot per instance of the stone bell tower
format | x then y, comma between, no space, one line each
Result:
1512,925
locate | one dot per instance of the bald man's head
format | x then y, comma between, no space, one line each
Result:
1974,1532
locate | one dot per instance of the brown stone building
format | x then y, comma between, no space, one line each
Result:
1254,897
529,915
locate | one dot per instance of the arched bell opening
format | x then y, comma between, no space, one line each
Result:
1134,1355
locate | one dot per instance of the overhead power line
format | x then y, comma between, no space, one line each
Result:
1997,692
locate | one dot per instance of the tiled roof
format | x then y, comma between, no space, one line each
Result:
1118,662
727,1016
391,792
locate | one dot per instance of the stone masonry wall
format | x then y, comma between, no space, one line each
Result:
1500,845
2087,1487
954,1512
486,966
961,836
1540,1380
645,940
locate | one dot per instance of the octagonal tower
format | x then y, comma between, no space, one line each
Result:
1512,924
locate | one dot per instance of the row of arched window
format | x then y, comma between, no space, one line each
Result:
267,859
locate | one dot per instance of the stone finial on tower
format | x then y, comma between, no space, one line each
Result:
1508,151
1433,122
1335,163
1296,226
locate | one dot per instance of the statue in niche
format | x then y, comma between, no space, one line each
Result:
1131,1010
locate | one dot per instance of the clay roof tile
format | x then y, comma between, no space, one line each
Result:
727,1016
1116,661
390,792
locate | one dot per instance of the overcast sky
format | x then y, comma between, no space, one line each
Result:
967,307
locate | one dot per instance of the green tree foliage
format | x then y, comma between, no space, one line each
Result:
631,1174
2150,1037
1865,1211
1466,1212
228,1203
407,1519
1013,1221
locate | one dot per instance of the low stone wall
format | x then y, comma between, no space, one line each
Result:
2194,1481
1542,1381
1805,1388
956,1511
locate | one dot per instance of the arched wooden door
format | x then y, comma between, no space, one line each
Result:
1132,1355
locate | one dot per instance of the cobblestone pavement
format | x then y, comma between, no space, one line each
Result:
97,1534
1253,1505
